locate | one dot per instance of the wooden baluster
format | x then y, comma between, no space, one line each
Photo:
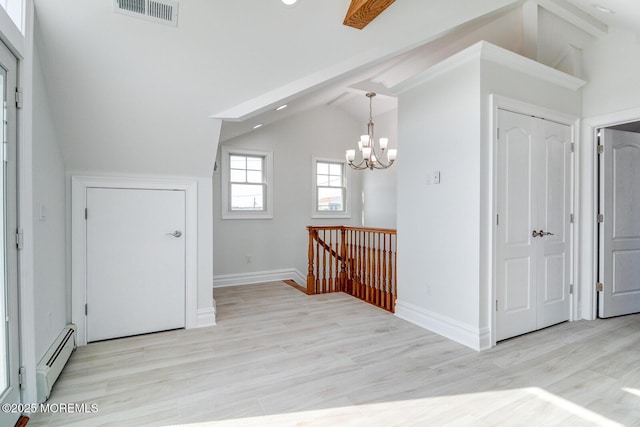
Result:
394,288
367,276
331,278
311,279
363,266
385,283
352,261
343,261
324,263
378,273
318,266
359,263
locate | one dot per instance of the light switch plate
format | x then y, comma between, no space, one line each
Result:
436,177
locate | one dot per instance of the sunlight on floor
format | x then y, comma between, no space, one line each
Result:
532,405
632,391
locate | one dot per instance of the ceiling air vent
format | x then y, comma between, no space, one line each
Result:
162,11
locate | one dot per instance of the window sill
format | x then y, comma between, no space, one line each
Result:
331,215
252,215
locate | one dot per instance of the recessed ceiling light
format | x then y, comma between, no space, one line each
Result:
259,125
282,107
289,2
602,8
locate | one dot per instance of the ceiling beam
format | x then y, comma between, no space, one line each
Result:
362,12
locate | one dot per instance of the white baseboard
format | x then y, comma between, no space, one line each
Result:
206,317
224,280
475,338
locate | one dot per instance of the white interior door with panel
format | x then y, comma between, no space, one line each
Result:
9,340
533,232
135,257
620,229
554,220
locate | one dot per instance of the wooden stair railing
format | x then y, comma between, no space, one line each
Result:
355,260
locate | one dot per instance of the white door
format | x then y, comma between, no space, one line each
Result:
9,353
620,231
532,223
135,261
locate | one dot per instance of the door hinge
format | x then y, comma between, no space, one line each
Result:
86,213
18,97
86,309
600,218
573,147
19,239
496,305
21,376
599,287
497,219
570,289
600,149
572,218
497,133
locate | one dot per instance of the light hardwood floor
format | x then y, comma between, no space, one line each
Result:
279,357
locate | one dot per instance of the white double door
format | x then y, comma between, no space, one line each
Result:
619,270
533,220
135,261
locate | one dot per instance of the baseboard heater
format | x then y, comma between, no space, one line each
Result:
53,361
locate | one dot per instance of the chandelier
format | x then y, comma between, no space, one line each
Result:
372,158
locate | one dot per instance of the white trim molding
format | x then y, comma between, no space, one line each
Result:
206,317
491,52
476,338
252,278
79,186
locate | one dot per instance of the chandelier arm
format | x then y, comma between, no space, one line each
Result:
359,166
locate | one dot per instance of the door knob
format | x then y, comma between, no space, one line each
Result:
534,233
176,233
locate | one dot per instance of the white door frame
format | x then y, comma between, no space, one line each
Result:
79,186
588,255
500,102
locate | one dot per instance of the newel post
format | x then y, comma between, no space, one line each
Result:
311,279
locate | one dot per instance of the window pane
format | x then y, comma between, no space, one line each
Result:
335,169
322,168
254,177
330,199
254,163
237,162
247,197
238,175
335,181
323,180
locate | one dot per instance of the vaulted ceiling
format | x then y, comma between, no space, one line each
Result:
123,90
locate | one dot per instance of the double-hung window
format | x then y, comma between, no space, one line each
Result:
330,183
246,186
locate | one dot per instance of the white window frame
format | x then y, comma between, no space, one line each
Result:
227,213
315,213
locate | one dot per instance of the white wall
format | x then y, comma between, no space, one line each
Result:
612,67
438,224
379,186
50,280
281,242
445,124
